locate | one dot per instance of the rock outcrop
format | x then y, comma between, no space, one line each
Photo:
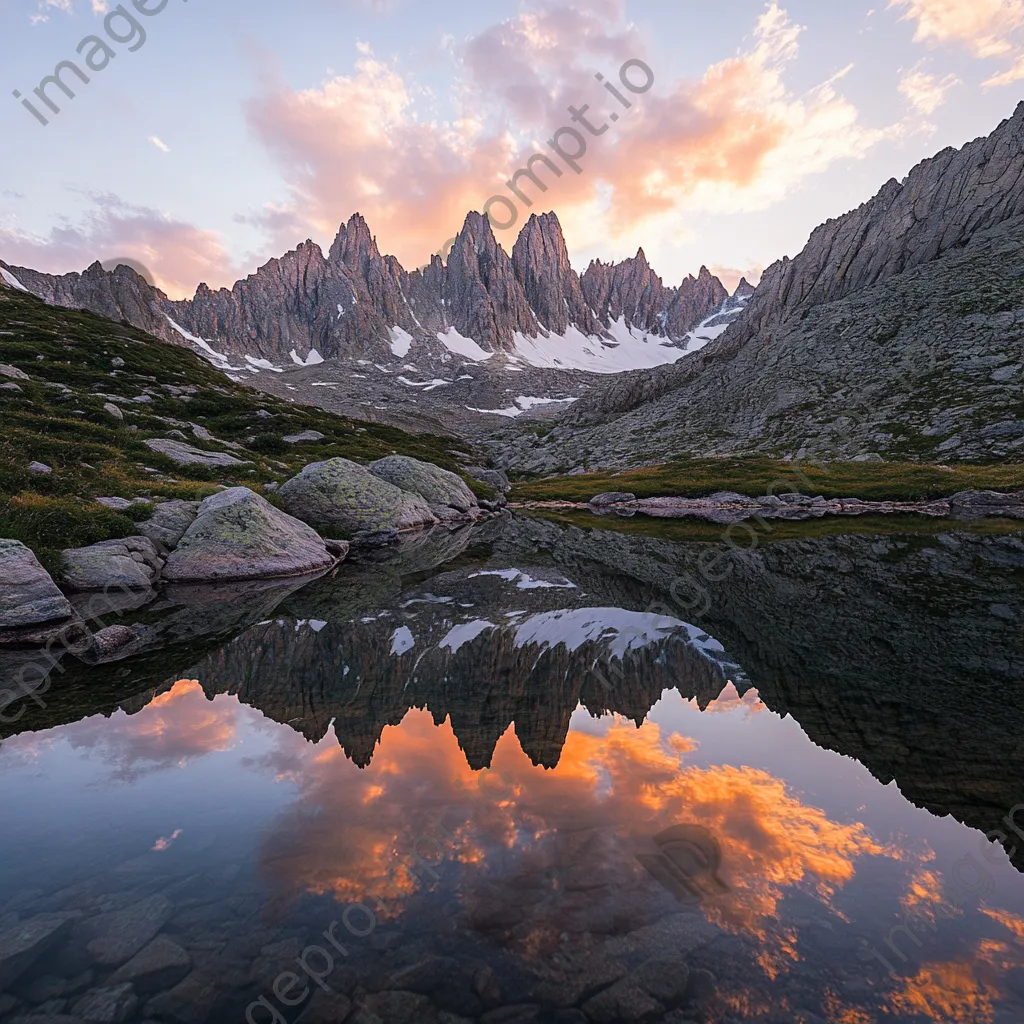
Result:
28,596
342,495
240,536
897,332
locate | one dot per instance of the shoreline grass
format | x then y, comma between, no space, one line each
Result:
755,477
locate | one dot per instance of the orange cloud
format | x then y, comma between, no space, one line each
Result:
568,836
173,729
735,139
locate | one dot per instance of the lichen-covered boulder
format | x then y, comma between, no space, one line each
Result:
28,596
169,521
342,495
239,535
439,488
132,563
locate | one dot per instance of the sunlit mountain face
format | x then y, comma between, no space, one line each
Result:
457,784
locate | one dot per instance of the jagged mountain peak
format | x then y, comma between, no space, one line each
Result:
350,302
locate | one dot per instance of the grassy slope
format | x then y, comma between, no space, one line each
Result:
869,481
93,454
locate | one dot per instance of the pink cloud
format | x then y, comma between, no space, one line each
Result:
179,255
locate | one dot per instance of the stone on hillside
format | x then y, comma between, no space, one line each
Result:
306,435
239,535
162,964
28,596
40,467
611,498
169,521
496,478
188,455
119,935
13,371
9,386
439,488
344,495
23,942
107,1005
132,563
117,363
113,410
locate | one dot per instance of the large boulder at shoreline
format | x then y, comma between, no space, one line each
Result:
239,535
439,488
132,564
342,495
28,596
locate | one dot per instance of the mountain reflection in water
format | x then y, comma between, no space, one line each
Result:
441,750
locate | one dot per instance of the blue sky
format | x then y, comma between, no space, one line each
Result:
238,130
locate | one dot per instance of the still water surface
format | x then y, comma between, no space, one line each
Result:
406,795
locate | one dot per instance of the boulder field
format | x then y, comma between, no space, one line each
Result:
236,535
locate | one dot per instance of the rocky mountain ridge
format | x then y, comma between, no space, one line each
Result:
355,303
897,332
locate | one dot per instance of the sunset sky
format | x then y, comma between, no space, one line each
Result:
238,130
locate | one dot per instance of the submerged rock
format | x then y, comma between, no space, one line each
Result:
239,535
28,596
132,563
107,1005
118,936
22,943
340,494
438,487
162,964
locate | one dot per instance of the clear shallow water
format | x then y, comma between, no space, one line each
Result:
434,775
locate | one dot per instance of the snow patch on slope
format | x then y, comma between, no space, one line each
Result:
13,281
313,359
218,359
401,341
627,349
523,403
463,346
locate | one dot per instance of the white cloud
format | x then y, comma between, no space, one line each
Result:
926,92
159,143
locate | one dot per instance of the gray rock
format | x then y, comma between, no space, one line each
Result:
39,467
111,1005
339,494
23,942
189,1002
239,535
622,1003
326,1008
375,538
117,363
7,370
306,435
663,978
28,596
110,644
986,501
169,521
162,964
438,487
188,455
9,386
119,935
611,498
132,563
113,410
496,478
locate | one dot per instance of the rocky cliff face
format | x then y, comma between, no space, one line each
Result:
348,302
897,332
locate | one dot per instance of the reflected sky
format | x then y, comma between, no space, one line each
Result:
816,860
